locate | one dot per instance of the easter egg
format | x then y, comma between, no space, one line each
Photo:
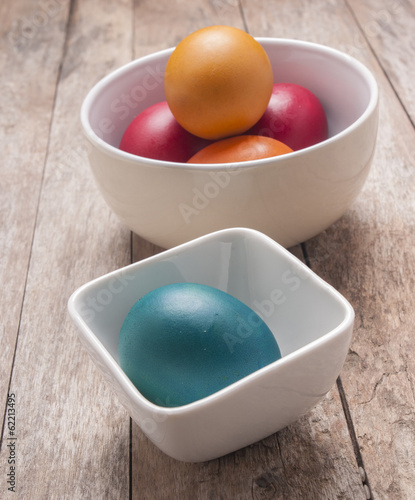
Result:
218,82
294,116
156,134
240,148
185,341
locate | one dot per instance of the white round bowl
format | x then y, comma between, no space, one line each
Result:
311,321
291,198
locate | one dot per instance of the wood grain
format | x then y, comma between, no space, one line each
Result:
25,50
388,26
368,255
73,439
162,24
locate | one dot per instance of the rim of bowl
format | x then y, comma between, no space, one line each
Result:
116,152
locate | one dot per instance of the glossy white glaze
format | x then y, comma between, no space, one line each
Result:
290,198
311,321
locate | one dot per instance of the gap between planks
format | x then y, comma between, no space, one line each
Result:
346,410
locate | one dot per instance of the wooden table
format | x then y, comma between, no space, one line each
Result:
66,431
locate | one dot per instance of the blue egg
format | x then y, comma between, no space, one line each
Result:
185,341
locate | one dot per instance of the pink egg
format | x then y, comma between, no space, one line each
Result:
155,133
294,116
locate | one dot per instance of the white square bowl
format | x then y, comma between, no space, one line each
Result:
311,321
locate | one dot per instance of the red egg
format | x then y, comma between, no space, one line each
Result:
155,133
294,116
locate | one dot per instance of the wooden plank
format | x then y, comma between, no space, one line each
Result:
389,27
368,255
26,49
160,25
312,458
72,435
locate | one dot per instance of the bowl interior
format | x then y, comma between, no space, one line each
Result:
296,304
343,85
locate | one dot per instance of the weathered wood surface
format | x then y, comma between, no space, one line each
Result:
72,436
389,27
74,440
24,129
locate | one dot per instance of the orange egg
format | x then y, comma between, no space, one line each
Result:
240,148
218,82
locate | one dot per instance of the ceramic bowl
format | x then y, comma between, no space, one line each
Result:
311,321
290,198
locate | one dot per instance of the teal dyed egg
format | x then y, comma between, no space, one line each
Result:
185,341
